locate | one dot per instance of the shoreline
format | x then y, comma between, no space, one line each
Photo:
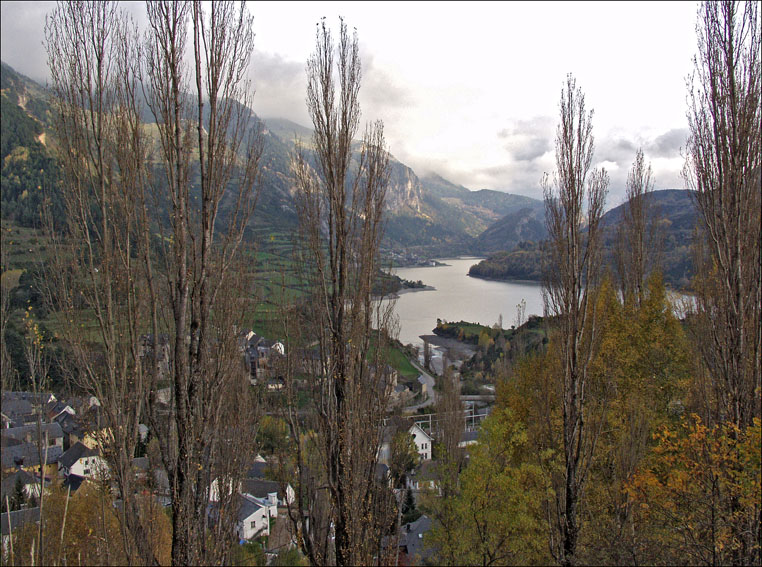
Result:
506,280
404,290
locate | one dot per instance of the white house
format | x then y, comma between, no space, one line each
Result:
422,442
270,492
253,517
83,461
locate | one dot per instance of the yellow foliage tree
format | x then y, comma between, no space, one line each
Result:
702,487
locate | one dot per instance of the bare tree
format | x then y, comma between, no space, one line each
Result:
341,195
198,296
119,286
637,244
96,277
723,167
573,206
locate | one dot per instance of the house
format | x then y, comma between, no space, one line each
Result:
54,409
422,442
275,493
83,461
26,456
424,387
141,466
257,468
383,475
401,394
423,477
412,544
253,517
33,398
17,413
94,431
51,434
261,354
71,428
469,438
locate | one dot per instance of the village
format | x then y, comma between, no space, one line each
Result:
49,441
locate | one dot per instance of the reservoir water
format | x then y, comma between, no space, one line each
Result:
459,297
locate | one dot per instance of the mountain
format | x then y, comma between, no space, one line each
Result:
677,220
426,216
26,166
523,224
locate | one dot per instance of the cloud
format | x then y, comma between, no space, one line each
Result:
616,150
381,93
280,85
529,139
669,143
21,43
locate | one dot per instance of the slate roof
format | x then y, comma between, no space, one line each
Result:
18,519
28,433
69,424
426,470
248,507
260,488
257,470
54,408
13,407
469,436
411,537
26,454
382,471
30,397
75,453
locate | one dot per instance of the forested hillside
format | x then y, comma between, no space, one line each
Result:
673,212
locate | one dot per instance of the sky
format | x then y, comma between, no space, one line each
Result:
470,91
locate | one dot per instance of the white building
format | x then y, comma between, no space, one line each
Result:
422,442
83,461
254,517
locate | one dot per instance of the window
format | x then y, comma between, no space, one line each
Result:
253,525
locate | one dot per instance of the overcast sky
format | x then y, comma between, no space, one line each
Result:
471,90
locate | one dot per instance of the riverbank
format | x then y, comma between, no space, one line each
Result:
460,349
506,280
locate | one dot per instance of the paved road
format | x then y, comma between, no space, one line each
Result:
430,381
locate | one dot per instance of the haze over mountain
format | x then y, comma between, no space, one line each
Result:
427,215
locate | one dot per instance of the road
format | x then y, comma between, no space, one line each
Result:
430,381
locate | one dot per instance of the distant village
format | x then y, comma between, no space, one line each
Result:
49,440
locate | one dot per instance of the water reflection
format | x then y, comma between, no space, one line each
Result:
459,297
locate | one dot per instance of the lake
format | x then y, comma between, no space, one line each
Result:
458,297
